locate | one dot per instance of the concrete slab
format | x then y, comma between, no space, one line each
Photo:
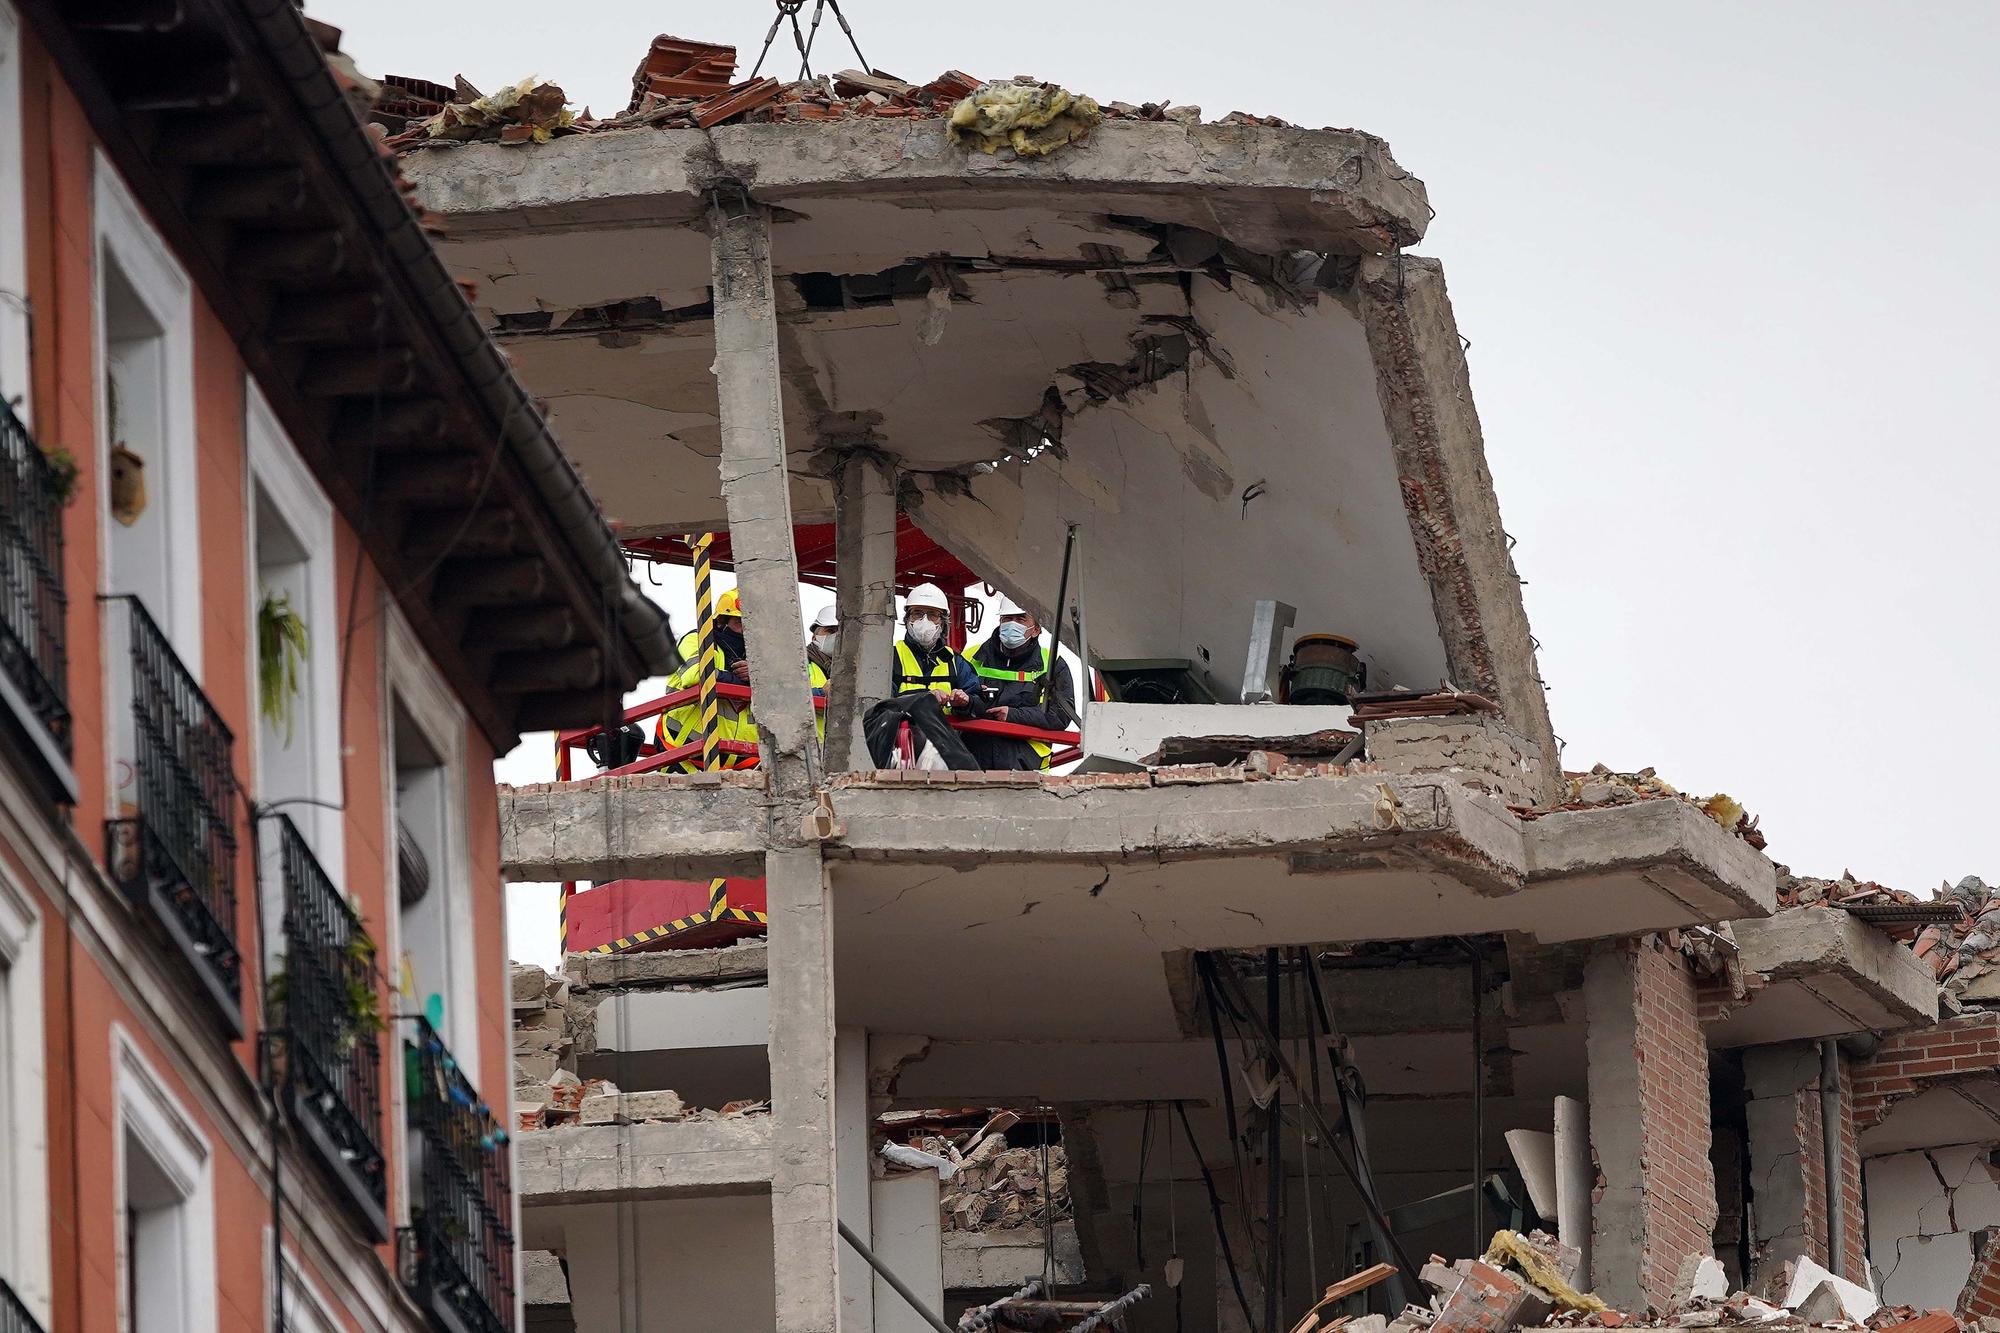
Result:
676,1159
1829,974
1275,189
738,962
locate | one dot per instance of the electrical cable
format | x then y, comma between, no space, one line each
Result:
1206,968
1139,1191
1215,1211
1228,980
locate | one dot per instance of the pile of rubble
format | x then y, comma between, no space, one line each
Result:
568,1100
986,1183
1529,1282
683,84
542,1042
1603,786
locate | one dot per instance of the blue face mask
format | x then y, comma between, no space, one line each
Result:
1012,635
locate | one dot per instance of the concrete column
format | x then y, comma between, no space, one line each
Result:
756,490
1649,1123
1787,1155
756,493
864,552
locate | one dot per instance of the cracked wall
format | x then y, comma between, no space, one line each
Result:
1928,1215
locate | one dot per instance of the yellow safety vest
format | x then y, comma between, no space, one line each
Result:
733,721
910,675
1042,749
816,677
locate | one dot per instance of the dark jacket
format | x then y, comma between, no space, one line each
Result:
1023,698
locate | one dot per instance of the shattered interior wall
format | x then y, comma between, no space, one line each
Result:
1261,468
1928,1213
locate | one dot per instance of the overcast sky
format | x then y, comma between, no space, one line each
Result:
1731,276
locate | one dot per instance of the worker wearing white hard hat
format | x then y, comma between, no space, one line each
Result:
924,659
820,648
1023,683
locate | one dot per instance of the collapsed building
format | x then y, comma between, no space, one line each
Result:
1291,1007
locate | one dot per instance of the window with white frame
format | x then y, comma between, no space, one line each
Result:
146,416
427,828
166,1207
14,321
295,649
24,1192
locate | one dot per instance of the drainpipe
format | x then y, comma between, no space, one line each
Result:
1829,1125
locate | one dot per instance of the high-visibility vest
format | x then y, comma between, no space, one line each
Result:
910,675
1042,749
681,725
816,677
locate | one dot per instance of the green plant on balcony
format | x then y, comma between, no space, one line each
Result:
282,645
360,1004
62,474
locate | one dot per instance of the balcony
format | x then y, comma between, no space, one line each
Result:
14,1316
459,1260
173,847
34,658
328,1009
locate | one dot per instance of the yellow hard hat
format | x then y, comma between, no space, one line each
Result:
729,604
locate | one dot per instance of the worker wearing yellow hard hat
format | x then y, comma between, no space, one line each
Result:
728,658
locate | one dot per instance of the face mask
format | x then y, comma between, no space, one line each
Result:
1012,636
826,643
924,633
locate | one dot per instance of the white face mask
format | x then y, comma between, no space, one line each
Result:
924,633
827,642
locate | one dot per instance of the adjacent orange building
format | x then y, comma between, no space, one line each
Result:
286,558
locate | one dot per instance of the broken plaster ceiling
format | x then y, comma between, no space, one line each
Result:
1186,381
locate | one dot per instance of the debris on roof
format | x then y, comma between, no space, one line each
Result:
685,84
1444,701
518,113
1034,119
1602,786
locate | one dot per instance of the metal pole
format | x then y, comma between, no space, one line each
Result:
895,1283
711,730
1057,613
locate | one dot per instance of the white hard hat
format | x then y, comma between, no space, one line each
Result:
927,595
828,618
1007,606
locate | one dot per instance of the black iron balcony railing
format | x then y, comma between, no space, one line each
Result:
461,1260
34,657
329,1010
173,848
14,1316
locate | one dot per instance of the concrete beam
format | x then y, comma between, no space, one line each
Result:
1268,189
664,1160
864,527
674,825
1827,974
655,826
596,971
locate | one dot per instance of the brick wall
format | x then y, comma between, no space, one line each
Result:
1910,1060
1854,1262
1812,1166
1981,1298
1673,1083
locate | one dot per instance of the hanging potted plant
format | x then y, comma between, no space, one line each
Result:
282,645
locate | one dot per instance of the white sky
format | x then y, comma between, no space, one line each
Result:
1729,275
